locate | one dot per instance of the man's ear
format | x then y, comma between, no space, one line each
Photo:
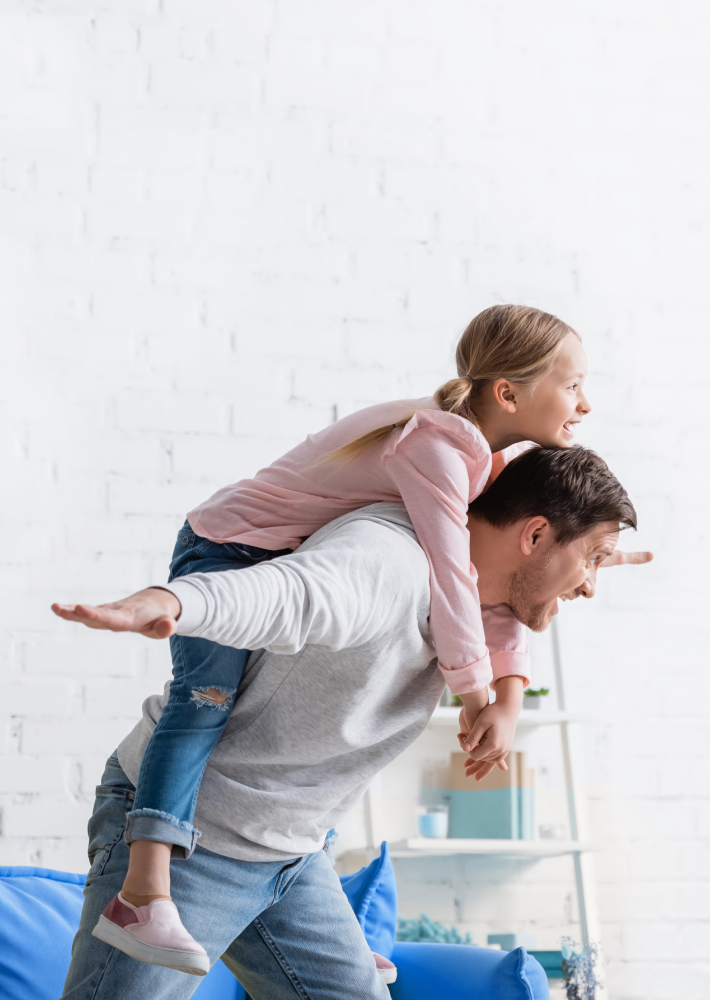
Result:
504,395
534,532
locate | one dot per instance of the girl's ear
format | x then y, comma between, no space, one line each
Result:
504,395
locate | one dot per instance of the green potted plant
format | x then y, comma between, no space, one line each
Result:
535,697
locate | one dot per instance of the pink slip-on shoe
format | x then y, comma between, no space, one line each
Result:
152,934
387,969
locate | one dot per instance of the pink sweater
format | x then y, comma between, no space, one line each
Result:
435,465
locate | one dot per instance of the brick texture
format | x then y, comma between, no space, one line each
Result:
220,226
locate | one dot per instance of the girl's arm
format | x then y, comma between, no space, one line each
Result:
438,465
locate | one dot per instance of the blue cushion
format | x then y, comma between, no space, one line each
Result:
441,971
39,916
40,910
372,893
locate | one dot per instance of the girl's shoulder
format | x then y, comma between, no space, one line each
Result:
467,437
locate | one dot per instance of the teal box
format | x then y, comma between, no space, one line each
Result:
526,813
489,814
551,961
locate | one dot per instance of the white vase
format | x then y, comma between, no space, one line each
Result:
536,701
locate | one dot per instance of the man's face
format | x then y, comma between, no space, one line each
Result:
560,572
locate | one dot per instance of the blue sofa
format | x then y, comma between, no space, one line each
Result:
39,915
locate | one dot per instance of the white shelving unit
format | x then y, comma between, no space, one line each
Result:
432,848
578,846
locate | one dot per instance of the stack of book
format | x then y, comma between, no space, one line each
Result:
500,806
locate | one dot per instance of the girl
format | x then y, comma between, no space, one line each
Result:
520,378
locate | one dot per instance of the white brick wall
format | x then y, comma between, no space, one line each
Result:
218,224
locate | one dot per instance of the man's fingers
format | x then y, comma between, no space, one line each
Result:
84,614
101,616
628,559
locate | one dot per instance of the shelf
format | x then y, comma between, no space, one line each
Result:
418,847
528,717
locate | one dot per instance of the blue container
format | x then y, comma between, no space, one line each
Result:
491,814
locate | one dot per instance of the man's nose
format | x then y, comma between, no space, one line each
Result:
589,587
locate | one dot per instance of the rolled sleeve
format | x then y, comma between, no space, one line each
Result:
509,663
473,677
507,643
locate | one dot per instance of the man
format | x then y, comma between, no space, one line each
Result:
342,680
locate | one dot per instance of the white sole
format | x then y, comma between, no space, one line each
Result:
183,961
388,975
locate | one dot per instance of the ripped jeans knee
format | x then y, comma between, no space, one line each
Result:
220,699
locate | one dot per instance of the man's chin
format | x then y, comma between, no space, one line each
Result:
536,618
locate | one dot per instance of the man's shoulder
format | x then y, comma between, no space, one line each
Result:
388,522
378,540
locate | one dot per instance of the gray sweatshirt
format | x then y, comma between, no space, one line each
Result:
342,679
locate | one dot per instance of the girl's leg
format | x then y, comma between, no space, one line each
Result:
148,875
202,694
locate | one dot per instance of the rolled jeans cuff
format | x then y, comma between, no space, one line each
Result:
152,824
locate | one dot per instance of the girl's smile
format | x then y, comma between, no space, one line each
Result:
547,411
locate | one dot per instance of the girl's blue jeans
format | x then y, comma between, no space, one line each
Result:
190,724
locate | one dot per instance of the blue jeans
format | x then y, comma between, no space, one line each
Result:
285,929
190,725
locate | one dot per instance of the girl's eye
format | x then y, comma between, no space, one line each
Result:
575,386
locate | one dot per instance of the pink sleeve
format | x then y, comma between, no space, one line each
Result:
501,458
507,643
438,467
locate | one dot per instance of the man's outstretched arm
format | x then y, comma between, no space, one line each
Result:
279,607
331,595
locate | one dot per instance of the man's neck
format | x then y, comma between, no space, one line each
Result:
494,555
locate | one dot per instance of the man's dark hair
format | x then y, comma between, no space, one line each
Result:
572,487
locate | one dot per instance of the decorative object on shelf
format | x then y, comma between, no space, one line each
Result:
433,821
509,942
579,971
552,831
426,929
535,698
500,806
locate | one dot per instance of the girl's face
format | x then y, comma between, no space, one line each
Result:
549,411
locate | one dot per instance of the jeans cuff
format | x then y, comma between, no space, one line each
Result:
154,824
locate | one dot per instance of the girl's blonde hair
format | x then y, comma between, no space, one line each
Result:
516,343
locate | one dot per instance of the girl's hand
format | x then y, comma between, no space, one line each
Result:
627,559
489,741
490,738
152,612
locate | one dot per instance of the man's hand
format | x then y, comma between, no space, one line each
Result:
152,612
627,559
490,737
